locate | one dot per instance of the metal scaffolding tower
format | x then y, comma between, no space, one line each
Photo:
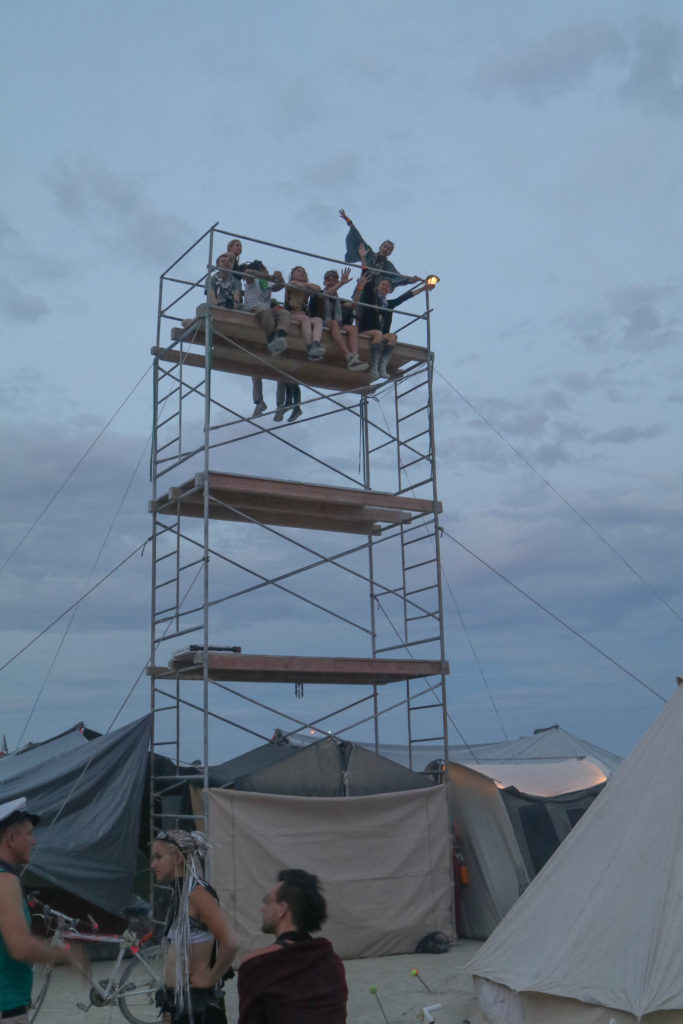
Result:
296,568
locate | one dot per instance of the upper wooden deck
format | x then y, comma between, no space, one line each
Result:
239,346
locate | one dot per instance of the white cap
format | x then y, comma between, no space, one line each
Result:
14,811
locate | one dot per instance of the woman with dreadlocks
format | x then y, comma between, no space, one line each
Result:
200,942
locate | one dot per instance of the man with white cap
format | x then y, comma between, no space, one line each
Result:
18,948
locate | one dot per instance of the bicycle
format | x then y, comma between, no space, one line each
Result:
132,985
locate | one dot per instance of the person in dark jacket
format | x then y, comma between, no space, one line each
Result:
297,979
377,262
375,310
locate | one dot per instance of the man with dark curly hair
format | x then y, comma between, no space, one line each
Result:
298,978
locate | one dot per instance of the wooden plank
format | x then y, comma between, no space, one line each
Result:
239,346
291,503
295,491
275,517
269,668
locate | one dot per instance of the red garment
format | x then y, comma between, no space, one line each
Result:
302,983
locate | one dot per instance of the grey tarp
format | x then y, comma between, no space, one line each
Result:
89,797
328,767
384,862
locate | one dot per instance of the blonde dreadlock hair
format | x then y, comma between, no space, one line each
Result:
193,847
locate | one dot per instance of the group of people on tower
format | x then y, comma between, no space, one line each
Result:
298,978
250,286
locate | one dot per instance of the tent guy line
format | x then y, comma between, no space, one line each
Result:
552,615
569,505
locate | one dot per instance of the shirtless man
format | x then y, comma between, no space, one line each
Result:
18,948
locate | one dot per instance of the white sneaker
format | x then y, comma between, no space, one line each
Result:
354,363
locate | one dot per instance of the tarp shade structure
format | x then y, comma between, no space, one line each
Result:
547,779
88,795
543,747
328,767
599,932
384,862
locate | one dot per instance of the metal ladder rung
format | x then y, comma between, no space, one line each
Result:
419,540
408,643
409,415
169,395
170,554
385,444
406,465
413,437
181,632
409,391
162,423
414,486
163,447
421,590
418,565
427,615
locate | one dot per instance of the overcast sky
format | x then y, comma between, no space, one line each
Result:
529,153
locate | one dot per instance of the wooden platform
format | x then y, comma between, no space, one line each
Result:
290,503
285,668
239,346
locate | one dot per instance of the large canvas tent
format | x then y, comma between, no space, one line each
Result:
598,935
89,796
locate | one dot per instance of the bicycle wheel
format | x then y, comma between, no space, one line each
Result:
140,981
41,982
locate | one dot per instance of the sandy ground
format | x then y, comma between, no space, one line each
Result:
401,995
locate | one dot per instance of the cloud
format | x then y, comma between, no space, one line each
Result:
20,305
119,212
635,318
645,60
560,62
24,264
629,433
654,82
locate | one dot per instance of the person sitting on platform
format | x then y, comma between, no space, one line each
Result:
328,305
376,261
274,321
297,294
298,978
375,315
224,284
272,317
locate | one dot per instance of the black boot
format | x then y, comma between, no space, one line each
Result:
375,350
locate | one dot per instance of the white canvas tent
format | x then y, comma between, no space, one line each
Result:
598,935
384,862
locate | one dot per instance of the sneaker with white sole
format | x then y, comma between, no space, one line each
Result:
354,363
315,351
277,344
